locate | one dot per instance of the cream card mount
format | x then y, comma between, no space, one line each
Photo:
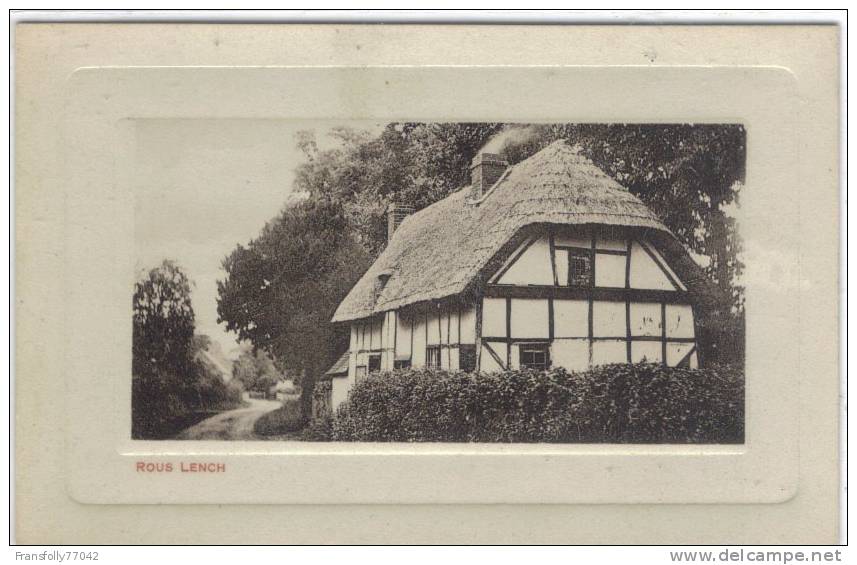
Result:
105,109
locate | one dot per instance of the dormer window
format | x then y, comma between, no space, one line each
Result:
381,281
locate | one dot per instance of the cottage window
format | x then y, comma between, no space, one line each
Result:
579,268
433,356
467,358
375,363
535,356
402,363
359,373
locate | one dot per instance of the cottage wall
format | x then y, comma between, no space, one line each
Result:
582,300
608,300
404,338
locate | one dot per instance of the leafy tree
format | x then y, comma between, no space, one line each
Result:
281,290
163,318
244,370
169,377
415,164
255,370
162,342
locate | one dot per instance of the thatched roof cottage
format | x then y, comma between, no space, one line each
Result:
546,263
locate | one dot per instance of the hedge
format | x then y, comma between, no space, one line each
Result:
622,403
283,420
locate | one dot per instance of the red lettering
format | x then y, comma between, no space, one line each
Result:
149,467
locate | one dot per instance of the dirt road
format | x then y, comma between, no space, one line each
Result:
232,425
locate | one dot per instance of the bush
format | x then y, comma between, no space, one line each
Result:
283,420
642,403
320,429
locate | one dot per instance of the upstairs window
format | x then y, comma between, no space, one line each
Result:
535,356
579,268
433,356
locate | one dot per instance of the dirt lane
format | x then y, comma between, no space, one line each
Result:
232,425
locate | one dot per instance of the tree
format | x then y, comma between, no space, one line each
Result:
255,370
163,318
171,376
280,291
415,164
162,344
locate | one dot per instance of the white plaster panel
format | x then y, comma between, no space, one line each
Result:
646,319
610,270
573,354
418,356
530,318
571,318
648,351
532,267
403,335
608,319
561,267
487,362
572,241
676,352
609,351
468,325
645,273
679,320
611,244
494,317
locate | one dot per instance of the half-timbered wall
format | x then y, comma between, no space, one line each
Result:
415,337
590,301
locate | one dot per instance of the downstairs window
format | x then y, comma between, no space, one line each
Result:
534,356
433,356
374,363
467,358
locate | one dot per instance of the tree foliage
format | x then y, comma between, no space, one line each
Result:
255,370
281,290
163,320
170,378
408,163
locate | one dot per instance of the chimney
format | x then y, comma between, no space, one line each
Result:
395,214
485,170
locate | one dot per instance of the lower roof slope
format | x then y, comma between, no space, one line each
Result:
438,251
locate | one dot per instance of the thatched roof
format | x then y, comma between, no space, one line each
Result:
437,252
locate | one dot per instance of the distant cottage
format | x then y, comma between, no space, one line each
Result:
547,263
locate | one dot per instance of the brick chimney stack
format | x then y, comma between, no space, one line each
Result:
485,170
396,213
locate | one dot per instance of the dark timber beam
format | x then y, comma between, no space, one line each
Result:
585,293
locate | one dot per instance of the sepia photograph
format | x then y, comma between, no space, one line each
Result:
316,281
438,282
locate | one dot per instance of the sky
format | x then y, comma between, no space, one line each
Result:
204,186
